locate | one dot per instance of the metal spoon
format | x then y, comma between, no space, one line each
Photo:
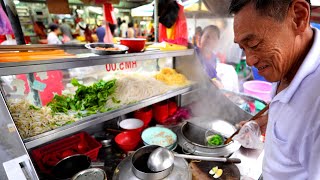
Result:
162,158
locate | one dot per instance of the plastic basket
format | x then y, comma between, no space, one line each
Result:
82,143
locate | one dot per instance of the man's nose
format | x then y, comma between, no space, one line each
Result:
251,59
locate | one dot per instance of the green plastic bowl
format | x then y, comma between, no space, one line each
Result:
160,136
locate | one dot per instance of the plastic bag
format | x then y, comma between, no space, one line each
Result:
180,32
5,26
249,136
108,38
109,13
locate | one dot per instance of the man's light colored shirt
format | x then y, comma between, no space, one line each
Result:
292,146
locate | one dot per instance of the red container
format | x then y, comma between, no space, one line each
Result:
128,140
82,143
144,114
161,111
134,44
172,108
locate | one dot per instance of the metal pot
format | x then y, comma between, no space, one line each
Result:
191,137
90,174
71,165
126,169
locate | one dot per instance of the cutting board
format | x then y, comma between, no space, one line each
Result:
200,170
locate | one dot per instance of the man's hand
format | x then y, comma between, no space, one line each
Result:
262,122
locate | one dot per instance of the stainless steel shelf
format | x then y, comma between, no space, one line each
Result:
90,60
99,118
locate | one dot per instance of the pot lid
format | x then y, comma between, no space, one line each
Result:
180,170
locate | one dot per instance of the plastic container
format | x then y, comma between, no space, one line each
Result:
128,140
144,114
160,136
172,108
82,143
259,89
134,44
161,111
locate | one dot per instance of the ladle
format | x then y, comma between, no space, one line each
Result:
162,158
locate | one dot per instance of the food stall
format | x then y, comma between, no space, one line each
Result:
31,120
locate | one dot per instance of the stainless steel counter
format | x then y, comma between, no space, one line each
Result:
251,163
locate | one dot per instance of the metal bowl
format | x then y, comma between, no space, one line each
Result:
92,173
92,47
139,164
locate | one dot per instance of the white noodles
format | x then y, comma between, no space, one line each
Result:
136,87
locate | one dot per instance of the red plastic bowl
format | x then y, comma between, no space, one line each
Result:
128,140
134,44
145,114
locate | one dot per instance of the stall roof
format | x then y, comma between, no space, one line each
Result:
124,4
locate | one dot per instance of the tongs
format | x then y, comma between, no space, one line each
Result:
252,118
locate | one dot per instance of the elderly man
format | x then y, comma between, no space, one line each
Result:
278,40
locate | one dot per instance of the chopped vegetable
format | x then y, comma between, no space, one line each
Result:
213,170
218,173
91,99
215,140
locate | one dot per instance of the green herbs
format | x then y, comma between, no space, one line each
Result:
215,140
32,107
91,99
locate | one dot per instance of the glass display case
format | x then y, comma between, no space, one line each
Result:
44,99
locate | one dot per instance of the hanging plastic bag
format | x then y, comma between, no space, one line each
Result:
109,14
5,26
180,31
249,136
108,38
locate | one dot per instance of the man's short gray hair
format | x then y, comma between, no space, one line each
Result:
274,8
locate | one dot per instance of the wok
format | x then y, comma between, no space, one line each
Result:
191,137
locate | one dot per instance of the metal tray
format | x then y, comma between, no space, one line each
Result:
92,46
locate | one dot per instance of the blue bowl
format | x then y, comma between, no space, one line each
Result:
160,136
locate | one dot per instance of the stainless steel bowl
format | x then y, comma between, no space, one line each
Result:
90,174
139,160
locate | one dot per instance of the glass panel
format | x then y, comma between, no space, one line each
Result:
69,95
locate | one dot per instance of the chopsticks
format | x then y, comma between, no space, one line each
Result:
253,118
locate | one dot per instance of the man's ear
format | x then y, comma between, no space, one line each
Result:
300,11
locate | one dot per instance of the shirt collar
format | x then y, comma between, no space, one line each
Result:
309,65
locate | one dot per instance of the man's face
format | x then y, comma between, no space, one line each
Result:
268,44
209,40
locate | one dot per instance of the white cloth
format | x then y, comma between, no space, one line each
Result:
292,143
53,38
228,76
